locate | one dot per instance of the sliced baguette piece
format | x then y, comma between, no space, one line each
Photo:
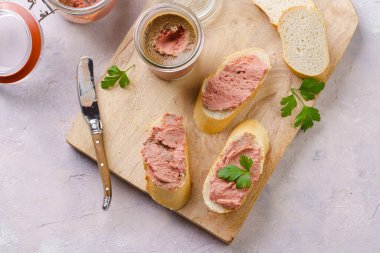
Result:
304,42
173,199
248,126
212,122
275,8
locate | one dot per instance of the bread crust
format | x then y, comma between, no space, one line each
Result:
262,137
212,122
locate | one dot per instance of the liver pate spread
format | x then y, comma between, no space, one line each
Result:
169,39
172,40
164,153
225,193
234,84
79,3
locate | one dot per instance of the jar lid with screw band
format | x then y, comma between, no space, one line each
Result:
22,40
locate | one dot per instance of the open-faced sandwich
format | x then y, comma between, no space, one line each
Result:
165,156
225,93
238,166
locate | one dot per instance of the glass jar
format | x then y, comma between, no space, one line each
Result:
87,14
176,71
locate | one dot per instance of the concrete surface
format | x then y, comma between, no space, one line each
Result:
323,197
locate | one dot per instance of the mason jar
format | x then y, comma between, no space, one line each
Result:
169,71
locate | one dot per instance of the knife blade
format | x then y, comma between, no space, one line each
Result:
90,111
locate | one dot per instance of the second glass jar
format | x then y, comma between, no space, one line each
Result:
178,69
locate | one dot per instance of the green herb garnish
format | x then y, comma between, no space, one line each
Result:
114,75
309,89
241,177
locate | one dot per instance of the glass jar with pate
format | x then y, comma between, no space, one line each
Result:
169,38
83,11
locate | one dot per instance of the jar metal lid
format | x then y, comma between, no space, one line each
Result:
21,44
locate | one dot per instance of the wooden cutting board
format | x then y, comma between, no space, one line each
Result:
126,114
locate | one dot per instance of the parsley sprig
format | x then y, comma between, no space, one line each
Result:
114,75
235,174
309,89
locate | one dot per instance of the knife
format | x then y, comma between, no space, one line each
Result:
90,111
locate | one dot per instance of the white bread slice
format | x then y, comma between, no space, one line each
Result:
275,8
172,199
304,42
248,126
212,122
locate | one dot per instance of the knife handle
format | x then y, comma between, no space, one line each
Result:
103,168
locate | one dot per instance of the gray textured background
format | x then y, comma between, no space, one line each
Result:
323,197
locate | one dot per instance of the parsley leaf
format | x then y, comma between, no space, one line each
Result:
124,80
244,181
290,103
109,81
114,75
245,162
232,173
306,118
310,87
113,71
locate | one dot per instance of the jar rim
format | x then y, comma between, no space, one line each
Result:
78,11
147,15
209,11
205,13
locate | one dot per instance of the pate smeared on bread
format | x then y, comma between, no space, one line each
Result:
166,163
226,193
249,138
225,93
234,83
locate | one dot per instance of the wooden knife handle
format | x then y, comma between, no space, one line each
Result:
103,167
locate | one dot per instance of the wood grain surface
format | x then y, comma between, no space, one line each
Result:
127,114
101,157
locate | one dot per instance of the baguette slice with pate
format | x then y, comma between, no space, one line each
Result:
242,73
165,157
304,42
275,8
249,138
